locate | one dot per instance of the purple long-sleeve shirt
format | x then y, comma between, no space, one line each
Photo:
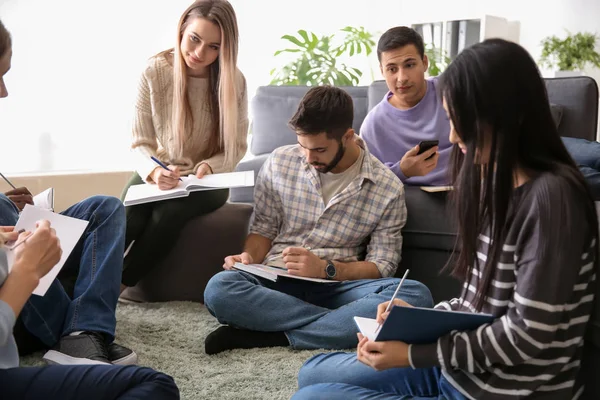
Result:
390,133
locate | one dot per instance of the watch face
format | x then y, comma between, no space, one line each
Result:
330,270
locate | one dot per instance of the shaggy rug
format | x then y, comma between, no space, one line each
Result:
169,337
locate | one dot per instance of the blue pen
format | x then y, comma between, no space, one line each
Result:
156,160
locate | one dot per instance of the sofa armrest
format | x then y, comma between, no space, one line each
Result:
198,254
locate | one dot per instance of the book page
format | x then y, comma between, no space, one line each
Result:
45,199
68,230
367,326
435,189
225,180
273,272
149,192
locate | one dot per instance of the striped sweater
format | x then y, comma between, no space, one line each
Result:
541,294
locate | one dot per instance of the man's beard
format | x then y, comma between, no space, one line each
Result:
325,168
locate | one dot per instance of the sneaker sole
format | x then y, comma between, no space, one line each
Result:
127,360
57,358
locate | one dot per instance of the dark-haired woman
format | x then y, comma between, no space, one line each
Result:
528,231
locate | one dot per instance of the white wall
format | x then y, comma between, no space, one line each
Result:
76,64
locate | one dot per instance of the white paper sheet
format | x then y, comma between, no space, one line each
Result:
68,230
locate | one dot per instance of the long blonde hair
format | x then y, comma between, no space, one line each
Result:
223,84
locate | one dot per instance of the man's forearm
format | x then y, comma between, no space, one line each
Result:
257,246
356,270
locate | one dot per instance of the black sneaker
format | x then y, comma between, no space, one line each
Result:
120,355
82,349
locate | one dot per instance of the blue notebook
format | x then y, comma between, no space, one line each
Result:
420,325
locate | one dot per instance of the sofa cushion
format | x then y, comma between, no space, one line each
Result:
273,106
429,223
578,97
557,112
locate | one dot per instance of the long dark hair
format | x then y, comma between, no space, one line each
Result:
494,88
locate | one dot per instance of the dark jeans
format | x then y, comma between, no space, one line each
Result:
88,382
156,226
587,157
92,273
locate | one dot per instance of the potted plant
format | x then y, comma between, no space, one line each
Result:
316,58
438,60
571,54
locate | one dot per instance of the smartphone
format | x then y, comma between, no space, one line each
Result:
425,145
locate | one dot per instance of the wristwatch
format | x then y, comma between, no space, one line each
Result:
330,271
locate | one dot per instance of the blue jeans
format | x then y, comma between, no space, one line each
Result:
96,261
89,382
587,157
312,315
341,376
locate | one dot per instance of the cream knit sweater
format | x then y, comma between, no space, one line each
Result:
152,133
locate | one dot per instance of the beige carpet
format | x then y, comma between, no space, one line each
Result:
170,338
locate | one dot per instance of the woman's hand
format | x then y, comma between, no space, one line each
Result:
164,179
40,252
382,355
203,169
382,315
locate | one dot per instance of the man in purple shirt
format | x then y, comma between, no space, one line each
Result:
410,112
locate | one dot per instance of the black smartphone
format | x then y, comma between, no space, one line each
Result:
425,145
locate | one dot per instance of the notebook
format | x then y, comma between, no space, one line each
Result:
147,193
68,230
274,273
45,199
420,325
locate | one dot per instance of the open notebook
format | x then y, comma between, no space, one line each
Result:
274,273
68,230
147,193
420,325
45,199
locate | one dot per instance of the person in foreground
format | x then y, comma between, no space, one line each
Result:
324,208
191,114
76,317
35,255
529,238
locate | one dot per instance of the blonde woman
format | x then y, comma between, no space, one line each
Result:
191,114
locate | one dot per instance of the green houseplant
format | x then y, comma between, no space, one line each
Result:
316,60
571,53
438,60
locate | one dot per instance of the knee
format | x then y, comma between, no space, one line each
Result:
107,205
311,372
422,294
164,386
9,213
217,293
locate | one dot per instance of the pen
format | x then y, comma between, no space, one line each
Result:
391,301
156,160
7,181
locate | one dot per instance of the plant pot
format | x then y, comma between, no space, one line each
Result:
566,74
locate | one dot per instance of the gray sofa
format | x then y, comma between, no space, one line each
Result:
429,234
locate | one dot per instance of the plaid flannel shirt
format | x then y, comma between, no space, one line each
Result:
363,222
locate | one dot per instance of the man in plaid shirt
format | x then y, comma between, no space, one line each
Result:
324,208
